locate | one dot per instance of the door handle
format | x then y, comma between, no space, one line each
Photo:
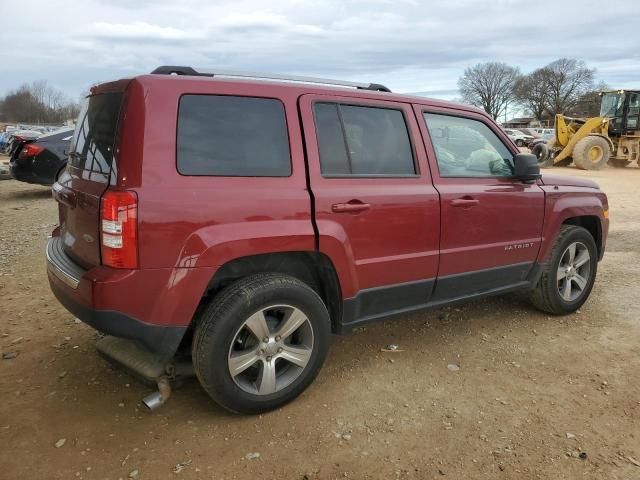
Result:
465,202
353,206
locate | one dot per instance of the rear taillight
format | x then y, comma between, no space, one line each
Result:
30,151
119,229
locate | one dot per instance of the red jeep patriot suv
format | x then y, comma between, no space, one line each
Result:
240,221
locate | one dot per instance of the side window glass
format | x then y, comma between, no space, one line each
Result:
220,135
331,144
634,111
467,148
367,141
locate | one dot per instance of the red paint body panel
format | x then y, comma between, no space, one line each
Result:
207,220
189,226
503,228
162,296
396,240
548,179
567,202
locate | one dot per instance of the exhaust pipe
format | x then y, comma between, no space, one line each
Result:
154,401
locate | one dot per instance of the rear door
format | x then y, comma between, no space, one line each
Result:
374,200
80,186
491,222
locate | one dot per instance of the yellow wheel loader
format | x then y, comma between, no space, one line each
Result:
613,137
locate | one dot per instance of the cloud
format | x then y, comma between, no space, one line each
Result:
410,45
137,31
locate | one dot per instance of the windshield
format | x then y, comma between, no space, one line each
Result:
611,105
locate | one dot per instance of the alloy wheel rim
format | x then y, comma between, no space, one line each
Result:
270,350
574,271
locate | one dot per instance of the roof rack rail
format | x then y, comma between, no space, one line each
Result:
205,72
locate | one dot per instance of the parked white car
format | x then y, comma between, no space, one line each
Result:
521,139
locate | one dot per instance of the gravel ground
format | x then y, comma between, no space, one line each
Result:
490,390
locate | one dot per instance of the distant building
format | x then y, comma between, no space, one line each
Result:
528,122
521,122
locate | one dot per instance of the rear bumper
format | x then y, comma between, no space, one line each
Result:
159,339
151,306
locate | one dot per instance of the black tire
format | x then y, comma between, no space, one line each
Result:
546,295
218,328
619,162
542,153
519,143
58,173
591,153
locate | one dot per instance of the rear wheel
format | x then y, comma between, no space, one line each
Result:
591,153
261,342
519,143
568,277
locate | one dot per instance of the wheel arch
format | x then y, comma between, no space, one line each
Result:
573,208
311,267
606,137
591,223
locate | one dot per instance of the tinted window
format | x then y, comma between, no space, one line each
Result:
362,140
467,148
94,138
232,136
331,144
634,111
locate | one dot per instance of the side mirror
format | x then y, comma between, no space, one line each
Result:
525,167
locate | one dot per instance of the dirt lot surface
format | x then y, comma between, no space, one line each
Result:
532,395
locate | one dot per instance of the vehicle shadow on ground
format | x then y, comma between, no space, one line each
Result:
35,194
412,333
408,332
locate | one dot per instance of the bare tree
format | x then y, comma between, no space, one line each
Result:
37,103
588,105
489,86
567,80
532,93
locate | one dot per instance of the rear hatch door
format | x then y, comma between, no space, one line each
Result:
91,163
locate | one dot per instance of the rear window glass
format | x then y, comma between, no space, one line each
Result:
232,136
94,138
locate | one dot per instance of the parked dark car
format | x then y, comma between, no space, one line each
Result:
40,161
18,139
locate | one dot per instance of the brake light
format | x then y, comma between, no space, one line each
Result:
30,150
119,229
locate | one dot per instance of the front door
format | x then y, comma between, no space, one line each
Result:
491,223
376,210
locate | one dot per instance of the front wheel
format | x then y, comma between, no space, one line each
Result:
261,342
568,277
591,153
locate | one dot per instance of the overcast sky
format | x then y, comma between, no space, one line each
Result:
411,46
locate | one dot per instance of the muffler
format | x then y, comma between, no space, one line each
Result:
154,401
